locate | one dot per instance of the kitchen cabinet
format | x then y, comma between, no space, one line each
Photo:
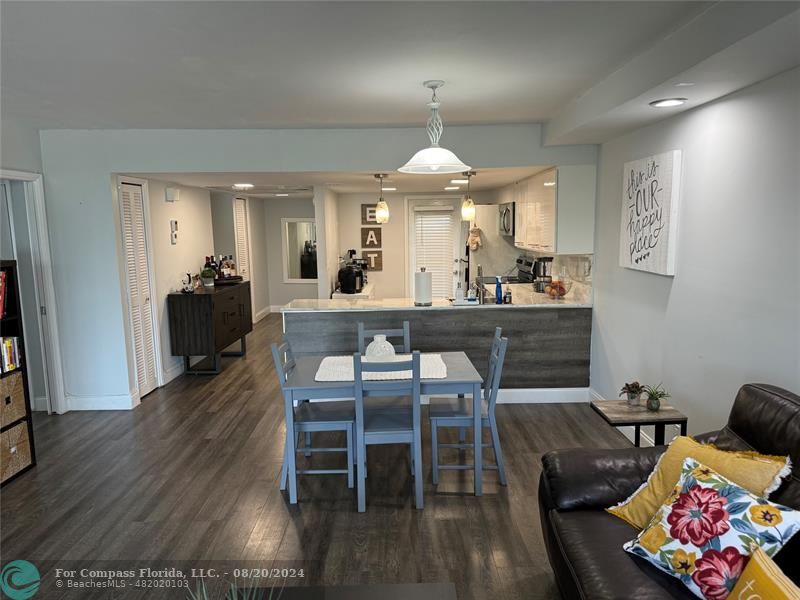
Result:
555,211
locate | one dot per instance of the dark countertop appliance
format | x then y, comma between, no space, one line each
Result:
543,273
351,276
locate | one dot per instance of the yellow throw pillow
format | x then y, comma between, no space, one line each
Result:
763,580
757,473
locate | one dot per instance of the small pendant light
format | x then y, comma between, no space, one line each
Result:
468,206
434,160
381,208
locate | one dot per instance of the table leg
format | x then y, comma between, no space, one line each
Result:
637,436
477,438
683,427
291,468
658,437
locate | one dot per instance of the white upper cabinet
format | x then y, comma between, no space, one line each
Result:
555,211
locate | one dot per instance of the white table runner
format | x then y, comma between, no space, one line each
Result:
340,368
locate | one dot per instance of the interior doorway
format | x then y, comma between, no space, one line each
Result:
24,239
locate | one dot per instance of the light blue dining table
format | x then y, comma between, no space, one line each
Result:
301,385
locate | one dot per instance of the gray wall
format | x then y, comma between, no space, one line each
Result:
222,217
730,315
19,146
275,209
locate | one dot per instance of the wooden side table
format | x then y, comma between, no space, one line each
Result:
618,413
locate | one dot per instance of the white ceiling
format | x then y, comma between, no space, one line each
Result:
587,69
299,185
307,64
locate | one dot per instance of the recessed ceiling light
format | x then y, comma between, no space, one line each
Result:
243,186
459,181
282,195
684,84
549,183
390,189
668,102
450,188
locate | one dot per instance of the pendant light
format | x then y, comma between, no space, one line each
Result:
381,208
468,206
434,160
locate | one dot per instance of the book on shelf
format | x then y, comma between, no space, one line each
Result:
2,294
9,346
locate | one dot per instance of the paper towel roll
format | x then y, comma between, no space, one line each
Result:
423,284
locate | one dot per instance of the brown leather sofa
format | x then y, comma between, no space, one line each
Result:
584,543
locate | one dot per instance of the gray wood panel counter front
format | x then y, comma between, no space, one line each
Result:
548,344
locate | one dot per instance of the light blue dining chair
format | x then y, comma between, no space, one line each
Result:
312,417
457,412
379,423
365,335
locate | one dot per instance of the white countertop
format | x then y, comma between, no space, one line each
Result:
523,297
366,292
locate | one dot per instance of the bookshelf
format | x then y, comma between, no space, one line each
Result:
17,453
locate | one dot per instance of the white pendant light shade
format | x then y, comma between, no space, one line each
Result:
468,209
382,211
434,160
468,206
381,208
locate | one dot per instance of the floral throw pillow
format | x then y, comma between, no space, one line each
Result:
707,528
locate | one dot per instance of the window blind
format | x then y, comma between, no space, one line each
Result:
433,233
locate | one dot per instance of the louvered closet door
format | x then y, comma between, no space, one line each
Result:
242,235
135,243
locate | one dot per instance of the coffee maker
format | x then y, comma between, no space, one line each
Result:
351,275
542,272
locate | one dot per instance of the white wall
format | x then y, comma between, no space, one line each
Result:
730,315
84,219
195,240
19,146
326,215
276,209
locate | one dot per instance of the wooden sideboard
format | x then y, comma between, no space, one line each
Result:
208,321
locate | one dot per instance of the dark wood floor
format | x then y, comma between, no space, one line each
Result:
192,474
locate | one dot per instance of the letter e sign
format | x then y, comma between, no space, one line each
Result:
370,237
374,259
368,214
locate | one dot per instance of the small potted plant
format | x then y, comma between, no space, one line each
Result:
207,276
654,396
634,392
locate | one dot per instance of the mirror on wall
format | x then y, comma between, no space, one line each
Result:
299,250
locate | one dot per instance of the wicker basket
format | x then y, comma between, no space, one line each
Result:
12,399
15,451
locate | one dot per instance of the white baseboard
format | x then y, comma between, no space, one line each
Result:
114,402
275,308
261,314
542,395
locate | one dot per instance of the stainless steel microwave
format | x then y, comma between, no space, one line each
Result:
506,218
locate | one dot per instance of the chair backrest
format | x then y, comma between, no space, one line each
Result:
389,387
496,359
498,333
283,358
366,335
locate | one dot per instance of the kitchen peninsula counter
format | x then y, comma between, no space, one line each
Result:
549,340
